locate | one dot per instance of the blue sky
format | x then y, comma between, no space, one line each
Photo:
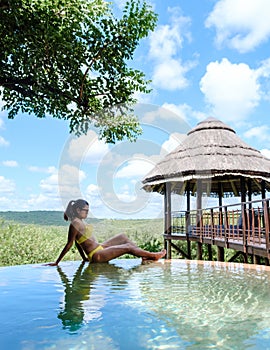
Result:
205,58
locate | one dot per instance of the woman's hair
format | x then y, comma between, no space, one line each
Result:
71,210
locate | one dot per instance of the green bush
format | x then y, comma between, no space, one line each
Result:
30,244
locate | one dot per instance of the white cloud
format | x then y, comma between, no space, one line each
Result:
37,169
50,184
240,24
182,111
166,41
87,148
92,190
7,186
10,163
165,46
172,118
169,118
126,197
70,175
58,188
69,183
93,196
173,142
265,152
44,201
135,168
232,90
170,75
120,3
3,142
261,132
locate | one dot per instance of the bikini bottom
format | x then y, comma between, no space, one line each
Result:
90,255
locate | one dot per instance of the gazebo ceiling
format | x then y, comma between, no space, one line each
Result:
213,153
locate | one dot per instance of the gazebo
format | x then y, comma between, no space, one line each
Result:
211,161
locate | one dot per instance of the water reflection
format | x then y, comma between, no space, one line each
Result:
84,295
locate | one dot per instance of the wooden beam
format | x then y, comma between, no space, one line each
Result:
180,251
235,256
235,192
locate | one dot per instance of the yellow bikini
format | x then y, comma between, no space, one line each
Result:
86,235
90,255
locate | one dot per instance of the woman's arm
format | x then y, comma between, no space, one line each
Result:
81,252
62,254
72,233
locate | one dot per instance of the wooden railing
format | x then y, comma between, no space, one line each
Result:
244,224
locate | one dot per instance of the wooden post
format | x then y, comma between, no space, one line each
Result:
199,251
198,218
188,220
220,252
219,194
266,218
210,255
220,203
199,205
263,189
243,189
256,259
244,218
167,221
199,194
249,191
212,225
226,225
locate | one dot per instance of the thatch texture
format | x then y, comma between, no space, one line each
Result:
214,153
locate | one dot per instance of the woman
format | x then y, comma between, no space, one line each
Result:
89,248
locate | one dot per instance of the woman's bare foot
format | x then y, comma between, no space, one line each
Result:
160,254
156,256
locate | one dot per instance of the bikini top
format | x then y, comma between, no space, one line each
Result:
86,235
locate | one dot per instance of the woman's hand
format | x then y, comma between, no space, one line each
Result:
51,264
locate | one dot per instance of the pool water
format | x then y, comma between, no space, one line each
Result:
174,304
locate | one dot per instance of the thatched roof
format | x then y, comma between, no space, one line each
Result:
214,153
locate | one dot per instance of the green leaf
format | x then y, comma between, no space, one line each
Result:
55,54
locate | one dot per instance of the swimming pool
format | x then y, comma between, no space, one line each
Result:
174,304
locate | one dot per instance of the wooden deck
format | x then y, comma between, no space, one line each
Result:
242,227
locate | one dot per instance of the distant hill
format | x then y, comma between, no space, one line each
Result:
55,218
38,217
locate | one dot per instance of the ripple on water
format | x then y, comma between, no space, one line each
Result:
208,305
165,305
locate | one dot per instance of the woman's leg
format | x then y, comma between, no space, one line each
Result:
113,252
117,240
